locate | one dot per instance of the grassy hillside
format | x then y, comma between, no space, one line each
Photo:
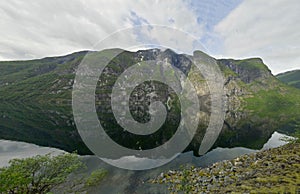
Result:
291,78
45,79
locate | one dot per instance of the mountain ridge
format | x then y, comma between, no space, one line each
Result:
250,90
291,78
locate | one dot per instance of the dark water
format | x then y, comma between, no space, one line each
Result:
126,181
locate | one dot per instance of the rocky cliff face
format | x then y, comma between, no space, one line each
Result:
254,101
247,70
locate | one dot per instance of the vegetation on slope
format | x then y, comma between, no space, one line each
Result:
38,174
275,170
291,78
46,174
276,105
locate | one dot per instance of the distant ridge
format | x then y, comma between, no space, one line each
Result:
291,78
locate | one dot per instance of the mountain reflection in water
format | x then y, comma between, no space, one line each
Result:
132,181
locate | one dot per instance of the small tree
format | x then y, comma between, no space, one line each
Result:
38,174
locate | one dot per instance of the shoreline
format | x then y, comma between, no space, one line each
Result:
275,170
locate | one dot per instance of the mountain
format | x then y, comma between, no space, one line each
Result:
291,78
36,97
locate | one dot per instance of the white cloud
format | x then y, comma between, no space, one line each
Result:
34,29
269,29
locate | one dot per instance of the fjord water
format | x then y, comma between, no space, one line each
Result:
52,125
125,181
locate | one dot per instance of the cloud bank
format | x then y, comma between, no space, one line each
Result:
231,28
33,29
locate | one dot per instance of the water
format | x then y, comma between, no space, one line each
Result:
13,149
126,181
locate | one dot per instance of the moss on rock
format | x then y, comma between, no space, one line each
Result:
275,170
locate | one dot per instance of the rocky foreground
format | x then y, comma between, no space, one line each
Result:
275,170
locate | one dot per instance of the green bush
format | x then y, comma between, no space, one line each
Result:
38,174
95,177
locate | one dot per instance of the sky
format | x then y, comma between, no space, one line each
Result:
224,28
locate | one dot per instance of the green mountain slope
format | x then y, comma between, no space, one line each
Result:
291,78
36,98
